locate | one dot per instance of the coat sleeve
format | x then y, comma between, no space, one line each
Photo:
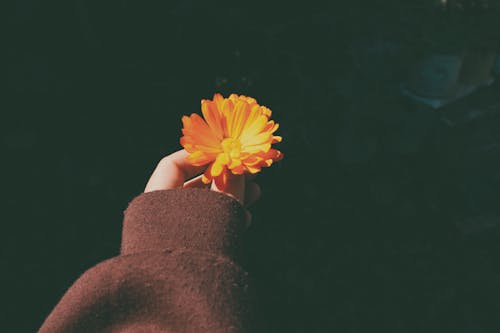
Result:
177,271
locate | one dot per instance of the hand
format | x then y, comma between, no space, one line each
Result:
174,171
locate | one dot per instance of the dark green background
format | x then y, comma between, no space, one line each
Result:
381,217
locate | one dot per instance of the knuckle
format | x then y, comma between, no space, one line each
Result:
165,161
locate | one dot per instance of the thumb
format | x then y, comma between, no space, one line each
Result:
232,185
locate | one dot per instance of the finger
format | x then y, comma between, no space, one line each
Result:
234,186
172,171
252,193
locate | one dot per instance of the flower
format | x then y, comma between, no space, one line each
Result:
235,137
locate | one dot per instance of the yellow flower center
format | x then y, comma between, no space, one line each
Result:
232,147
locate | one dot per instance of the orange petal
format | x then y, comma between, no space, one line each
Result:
264,137
268,162
207,176
253,169
234,163
219,164
239,170
186,142
221,180
238,118
205,180
250,100
253,161
216,169
266,111
252,130
219,103
233,97
213,118
226,110
276,139
189,143
254,113
271,126
274,154
198,132
199,158
202,132
262,147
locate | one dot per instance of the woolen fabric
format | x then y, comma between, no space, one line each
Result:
177,271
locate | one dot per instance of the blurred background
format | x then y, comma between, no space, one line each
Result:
384,214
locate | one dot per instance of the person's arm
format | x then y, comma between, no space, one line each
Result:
177,270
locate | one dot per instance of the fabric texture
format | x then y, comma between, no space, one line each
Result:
177,271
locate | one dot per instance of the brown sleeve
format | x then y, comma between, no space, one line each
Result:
198,219
177,271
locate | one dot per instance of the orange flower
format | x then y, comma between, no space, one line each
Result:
235,137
